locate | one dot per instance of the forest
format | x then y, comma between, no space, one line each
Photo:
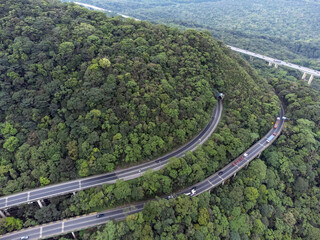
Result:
276,197
284,29
83,93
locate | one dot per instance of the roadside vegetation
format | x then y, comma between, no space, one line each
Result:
84,94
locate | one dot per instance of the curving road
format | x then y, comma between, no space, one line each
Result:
86,221
109,178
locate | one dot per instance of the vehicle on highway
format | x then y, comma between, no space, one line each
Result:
277,61
100,215
169,197
24,237
240,159
192,192
277,123
274,134
220,173
270,138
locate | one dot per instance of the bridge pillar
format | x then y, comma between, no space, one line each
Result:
234,174
73,235
304,75
259,155
40,203
74,193
310,79
223,183
276,65
2,214
251,58
270,64
6,212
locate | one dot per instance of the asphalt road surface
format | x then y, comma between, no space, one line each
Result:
277,61
86,221
109,178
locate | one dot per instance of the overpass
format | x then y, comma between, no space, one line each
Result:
91,220
277,62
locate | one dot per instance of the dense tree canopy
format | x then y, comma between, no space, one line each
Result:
82,93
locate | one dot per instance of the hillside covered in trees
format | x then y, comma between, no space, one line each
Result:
284,29
82,93
275,198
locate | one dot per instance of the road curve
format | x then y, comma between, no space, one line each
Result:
109,178
86,221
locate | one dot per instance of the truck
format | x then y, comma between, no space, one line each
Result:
270,138
277,123
221,95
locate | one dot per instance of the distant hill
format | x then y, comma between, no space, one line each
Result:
285,29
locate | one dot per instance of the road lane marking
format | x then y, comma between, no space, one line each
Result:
80,184
40,232
62,229
6,201
221,177
28,198
211,183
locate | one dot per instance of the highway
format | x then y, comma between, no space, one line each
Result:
277,61
109,178
86,221
72,224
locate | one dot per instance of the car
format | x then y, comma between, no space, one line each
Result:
192,192
24,237
169,197
240,159
274,134
99,215
220,173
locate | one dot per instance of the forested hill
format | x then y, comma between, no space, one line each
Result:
284,29
82,93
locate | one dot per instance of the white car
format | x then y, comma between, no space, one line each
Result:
192,192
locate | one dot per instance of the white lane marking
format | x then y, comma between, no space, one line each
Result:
79,184
28,196
6,201
236,166
62,229
211,183
221,177
40,232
